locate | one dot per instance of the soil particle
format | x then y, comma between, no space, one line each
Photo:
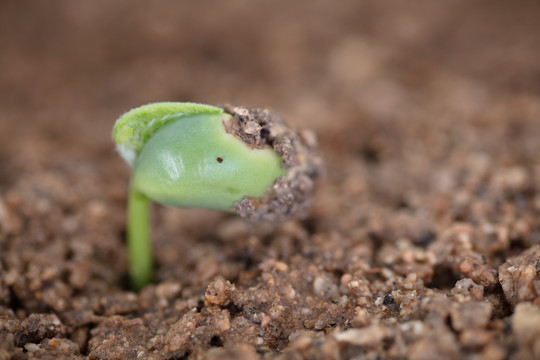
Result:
455,250
38,327
178,336
312,345
117,304
369,336
168,290
8,347
80,337
525,324
118,337
470,315
519,277
219,292
439,344
405,258
234,352
466,289
53,348
326,287
475,339
358,286
436,308
76,318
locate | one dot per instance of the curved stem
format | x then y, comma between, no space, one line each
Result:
138,239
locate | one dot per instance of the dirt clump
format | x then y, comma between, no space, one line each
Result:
291,195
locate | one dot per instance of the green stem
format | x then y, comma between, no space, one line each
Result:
138,237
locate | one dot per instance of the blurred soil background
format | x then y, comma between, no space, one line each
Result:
424,238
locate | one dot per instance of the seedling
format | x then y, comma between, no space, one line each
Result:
195,155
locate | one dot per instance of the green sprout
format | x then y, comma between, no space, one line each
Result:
195,155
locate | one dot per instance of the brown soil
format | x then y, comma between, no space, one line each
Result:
290,196
423,241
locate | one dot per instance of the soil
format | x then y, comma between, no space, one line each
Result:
423,240
290,196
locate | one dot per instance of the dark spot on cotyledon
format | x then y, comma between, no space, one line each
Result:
232,191
219,160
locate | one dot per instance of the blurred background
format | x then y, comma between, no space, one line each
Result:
360,73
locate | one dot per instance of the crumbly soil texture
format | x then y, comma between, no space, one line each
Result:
422,240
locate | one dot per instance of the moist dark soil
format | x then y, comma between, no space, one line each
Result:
423,241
